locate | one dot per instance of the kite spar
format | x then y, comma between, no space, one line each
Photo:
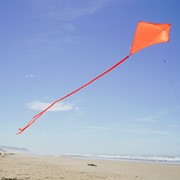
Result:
146,34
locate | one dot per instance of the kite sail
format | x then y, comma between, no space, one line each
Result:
146,34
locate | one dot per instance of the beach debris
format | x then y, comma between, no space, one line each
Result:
146,34
2,153
9,178
3,178
91,164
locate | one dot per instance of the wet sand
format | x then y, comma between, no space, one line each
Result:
26,167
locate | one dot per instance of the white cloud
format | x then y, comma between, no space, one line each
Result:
39,105
29,76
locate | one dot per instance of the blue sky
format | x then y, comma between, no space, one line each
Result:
51,47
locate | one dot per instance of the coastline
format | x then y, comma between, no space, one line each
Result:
129,158
34,167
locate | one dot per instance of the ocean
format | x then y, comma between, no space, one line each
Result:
136,158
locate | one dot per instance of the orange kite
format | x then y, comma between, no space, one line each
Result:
146,34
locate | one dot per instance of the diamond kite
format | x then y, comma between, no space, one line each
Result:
146,34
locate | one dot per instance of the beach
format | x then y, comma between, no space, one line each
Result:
33,167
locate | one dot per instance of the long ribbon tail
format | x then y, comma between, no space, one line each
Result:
73,92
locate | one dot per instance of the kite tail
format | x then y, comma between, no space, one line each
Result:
73,92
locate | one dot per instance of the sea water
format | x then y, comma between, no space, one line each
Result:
137,158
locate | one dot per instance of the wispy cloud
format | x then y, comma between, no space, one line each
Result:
74,40
29,76
67,10
150,132
69,27
39,105
62,15
175,126
154,117
93,127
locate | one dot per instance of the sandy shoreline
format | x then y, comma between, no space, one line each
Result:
24,167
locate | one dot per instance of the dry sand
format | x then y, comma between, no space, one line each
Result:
24,167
